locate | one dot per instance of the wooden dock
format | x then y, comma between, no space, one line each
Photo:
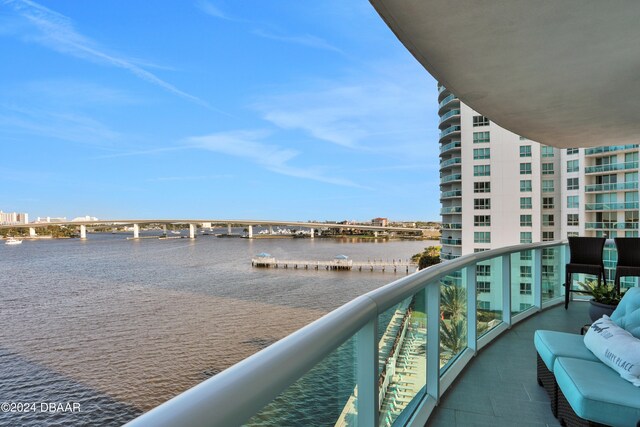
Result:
335,264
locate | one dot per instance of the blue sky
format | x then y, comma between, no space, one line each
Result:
213,109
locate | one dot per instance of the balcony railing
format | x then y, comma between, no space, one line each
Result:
451,226
452,177
450,210
339,368
611,226
449,146
618,186
447,100
611,167
449,162
450,130
449,114
612,206
449,194
598,150
451,242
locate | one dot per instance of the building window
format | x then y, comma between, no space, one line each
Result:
525,288
480,153
525,271
481,237
482,187
525,237
483,270
573,219
548,271
573,165
482,203
482,170
525,151
547,151
573,202
525,203
547,186
548,220
573,184
525,221
547,169
572,151
480,121
572,234
525,168
480,137
483,287
547,236
525,185
482,220
548,203
476,250
631,157
526,255
484,305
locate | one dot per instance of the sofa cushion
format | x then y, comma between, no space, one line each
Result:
627,314
597,393
616,348
552,344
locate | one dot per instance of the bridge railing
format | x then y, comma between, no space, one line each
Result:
457,307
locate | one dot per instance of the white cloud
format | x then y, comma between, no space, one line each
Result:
57,32
249,145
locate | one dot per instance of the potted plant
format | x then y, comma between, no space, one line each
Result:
605,298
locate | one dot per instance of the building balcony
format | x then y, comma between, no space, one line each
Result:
618,186
616,148
455,145
450,162
377,344
450,194
611,167
448,100
451,226
451,210
611,226
448,257
449,115
450,178
450,130
451,242
613,206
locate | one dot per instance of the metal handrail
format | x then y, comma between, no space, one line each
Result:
239,392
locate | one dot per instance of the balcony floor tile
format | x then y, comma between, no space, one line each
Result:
499,387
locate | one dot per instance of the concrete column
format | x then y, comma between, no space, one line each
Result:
271,229
164,229
136,231
83,231
229,229
250,228
32,232
192,231
375,234
311,233
206,225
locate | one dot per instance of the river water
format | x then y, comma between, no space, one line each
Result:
120,326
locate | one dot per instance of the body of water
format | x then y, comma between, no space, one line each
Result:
120,326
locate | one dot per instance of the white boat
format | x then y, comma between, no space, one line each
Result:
12,241
175,232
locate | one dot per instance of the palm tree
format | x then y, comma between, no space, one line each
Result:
453,302
453,338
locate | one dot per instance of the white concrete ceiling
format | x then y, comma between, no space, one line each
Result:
564,73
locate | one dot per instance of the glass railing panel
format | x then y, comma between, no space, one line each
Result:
323,396
551,273
450,146
446,100
448,114
402,357
488,295
522,283
453,325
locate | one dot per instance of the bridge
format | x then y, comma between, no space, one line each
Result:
210,223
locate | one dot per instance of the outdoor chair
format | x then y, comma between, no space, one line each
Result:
628,258
586,258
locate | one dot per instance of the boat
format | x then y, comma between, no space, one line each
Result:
12,241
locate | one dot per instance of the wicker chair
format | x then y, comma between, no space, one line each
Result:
586,258
628,258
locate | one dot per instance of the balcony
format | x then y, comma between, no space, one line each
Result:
450,146
401,377
451,242
618,186
609,149
450,178
450,162
612,206
450,194
611,226
447,100
611,167
451,226
446,116
451,210
451,129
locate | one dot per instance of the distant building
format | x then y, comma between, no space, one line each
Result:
85,218
50,219
380,222
8,218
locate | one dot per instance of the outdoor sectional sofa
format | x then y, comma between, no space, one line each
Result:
583,390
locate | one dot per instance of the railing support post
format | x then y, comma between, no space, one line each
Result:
506,289
469,281
367,374
537,278
433,340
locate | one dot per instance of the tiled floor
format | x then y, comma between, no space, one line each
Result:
499,387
